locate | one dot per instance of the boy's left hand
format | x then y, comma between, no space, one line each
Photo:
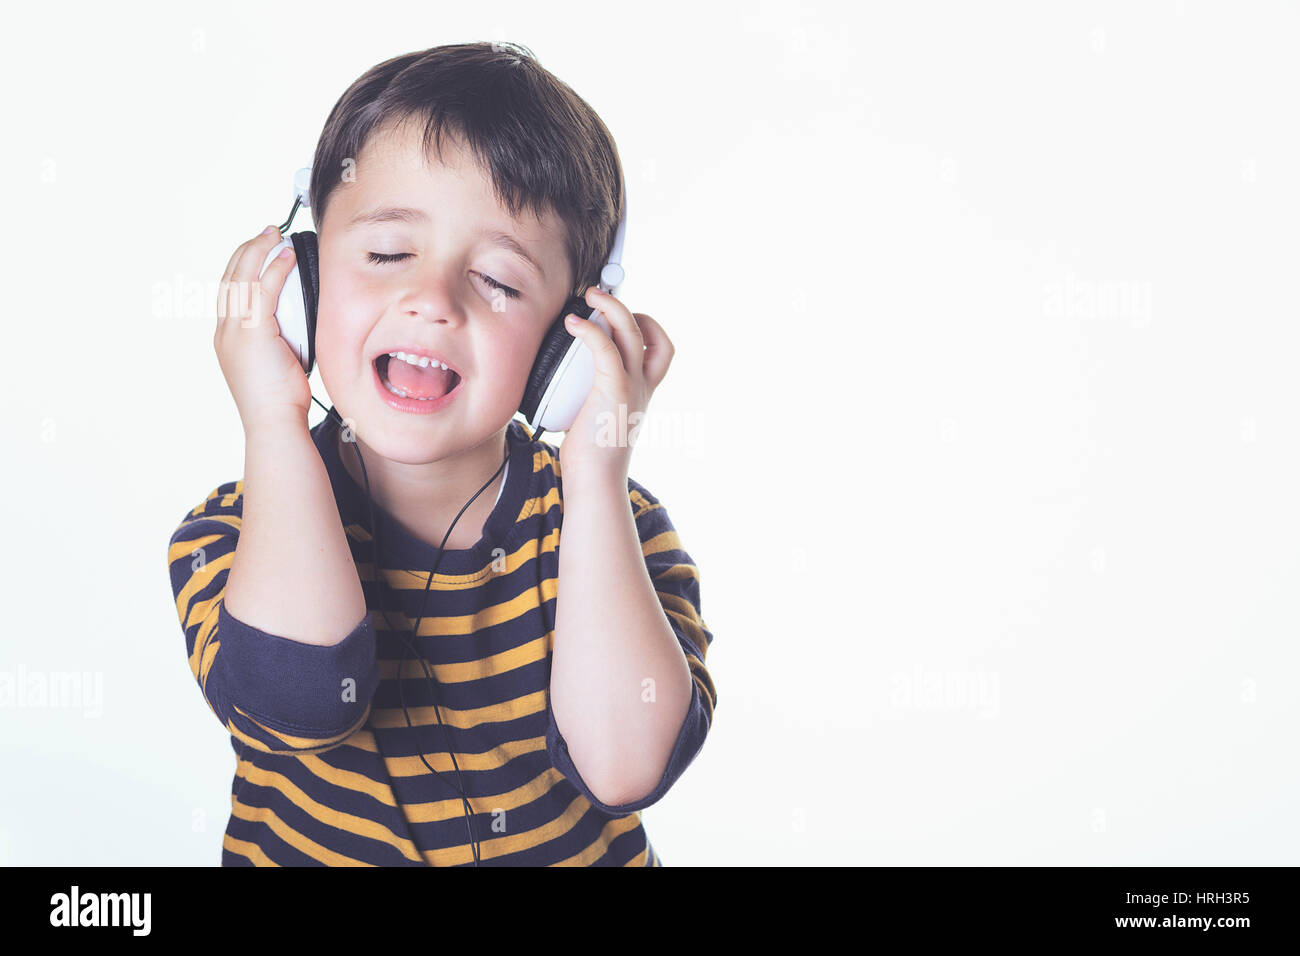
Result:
629,367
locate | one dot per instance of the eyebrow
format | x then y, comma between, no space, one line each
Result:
419,216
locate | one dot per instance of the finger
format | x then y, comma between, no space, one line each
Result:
234,257
234,300
627,334
232,297
223,290
604,353
266,290
659,350
249,265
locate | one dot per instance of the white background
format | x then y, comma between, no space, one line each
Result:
981,429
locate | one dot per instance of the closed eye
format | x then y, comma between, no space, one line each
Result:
381,258
509,292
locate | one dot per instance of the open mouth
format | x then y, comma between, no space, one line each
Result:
411,381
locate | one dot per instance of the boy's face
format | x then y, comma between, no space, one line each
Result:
435,298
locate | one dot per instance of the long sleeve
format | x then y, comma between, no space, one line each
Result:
677,582
274,694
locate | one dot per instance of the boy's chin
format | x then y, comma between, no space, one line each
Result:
404,437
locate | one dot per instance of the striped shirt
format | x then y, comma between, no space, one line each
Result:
328,771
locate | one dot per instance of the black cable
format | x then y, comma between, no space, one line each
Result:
475,847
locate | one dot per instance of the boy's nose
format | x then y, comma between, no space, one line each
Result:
435,299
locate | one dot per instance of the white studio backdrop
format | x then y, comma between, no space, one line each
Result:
982,426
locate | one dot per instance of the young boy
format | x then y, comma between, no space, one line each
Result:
555,687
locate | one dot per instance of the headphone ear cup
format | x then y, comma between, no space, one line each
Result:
555,345
307,260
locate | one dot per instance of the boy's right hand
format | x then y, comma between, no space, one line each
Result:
261,370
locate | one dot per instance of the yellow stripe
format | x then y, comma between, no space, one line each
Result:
677,572
348,779
204,613
404,579
663,541
214,495
183,548
510,709
504,845
209,657
690,626
524,706
250,850
675,602
644,858
207,628
302,844
539,504
292,744
541,461
503,662
192,610
448,808
200,580
435,625
210,503
434,811
494,759
641,503
402,767
608,834
348,822
364,739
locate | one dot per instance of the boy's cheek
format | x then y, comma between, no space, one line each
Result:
515,361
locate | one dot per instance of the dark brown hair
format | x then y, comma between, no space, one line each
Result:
541,145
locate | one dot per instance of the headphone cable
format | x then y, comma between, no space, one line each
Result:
475,846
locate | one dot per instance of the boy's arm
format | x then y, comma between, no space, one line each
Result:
276,627
293,572
628,609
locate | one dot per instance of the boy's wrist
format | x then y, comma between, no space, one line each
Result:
275,421
610,484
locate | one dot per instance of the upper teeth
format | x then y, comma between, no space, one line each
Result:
420,360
